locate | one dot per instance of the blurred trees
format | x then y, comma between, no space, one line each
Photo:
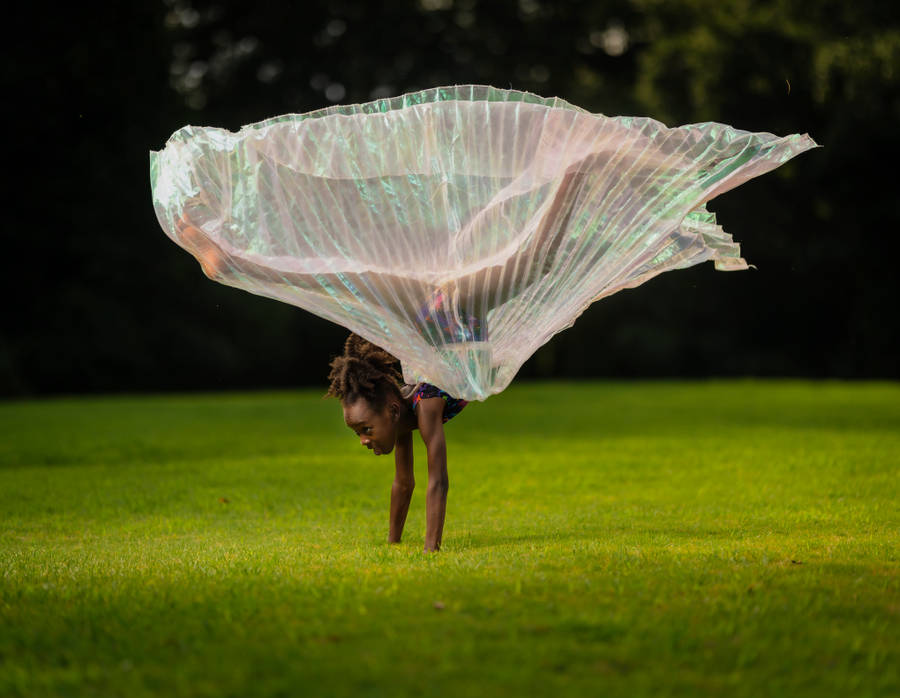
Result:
99,299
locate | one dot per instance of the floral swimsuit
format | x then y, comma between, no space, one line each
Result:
452,406
442,325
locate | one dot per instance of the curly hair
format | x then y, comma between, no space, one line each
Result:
364,371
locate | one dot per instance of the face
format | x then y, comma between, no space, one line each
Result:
376,430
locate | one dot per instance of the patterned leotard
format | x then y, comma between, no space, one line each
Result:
452,405
442,325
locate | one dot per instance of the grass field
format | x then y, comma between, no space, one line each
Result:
608,539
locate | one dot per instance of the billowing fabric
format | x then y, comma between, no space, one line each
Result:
452,405
459,228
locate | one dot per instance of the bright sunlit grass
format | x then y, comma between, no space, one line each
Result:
727,538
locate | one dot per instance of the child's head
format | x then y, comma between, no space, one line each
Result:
367,382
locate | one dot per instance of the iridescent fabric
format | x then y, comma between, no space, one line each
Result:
459,228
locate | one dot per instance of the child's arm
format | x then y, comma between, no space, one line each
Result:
431,411
402,489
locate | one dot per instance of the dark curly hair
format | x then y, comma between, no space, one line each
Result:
364,371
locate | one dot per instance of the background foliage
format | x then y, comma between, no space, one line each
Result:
98,299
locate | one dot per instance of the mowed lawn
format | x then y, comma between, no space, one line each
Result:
733,538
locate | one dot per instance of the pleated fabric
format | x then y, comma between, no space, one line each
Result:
459,228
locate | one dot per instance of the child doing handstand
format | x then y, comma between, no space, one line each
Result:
378,406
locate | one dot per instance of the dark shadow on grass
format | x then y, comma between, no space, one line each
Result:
471,542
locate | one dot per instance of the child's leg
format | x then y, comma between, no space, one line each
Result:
393,293
488,288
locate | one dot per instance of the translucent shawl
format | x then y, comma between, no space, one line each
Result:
459,228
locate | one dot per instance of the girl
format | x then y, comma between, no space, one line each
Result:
384,412
377,405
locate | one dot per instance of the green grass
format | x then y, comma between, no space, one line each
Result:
731,538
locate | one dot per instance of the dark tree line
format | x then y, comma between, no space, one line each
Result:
98,299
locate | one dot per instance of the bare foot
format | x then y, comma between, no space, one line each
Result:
211,257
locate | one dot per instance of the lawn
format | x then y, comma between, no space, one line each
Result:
731,538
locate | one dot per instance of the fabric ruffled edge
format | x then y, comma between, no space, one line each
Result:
726,253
